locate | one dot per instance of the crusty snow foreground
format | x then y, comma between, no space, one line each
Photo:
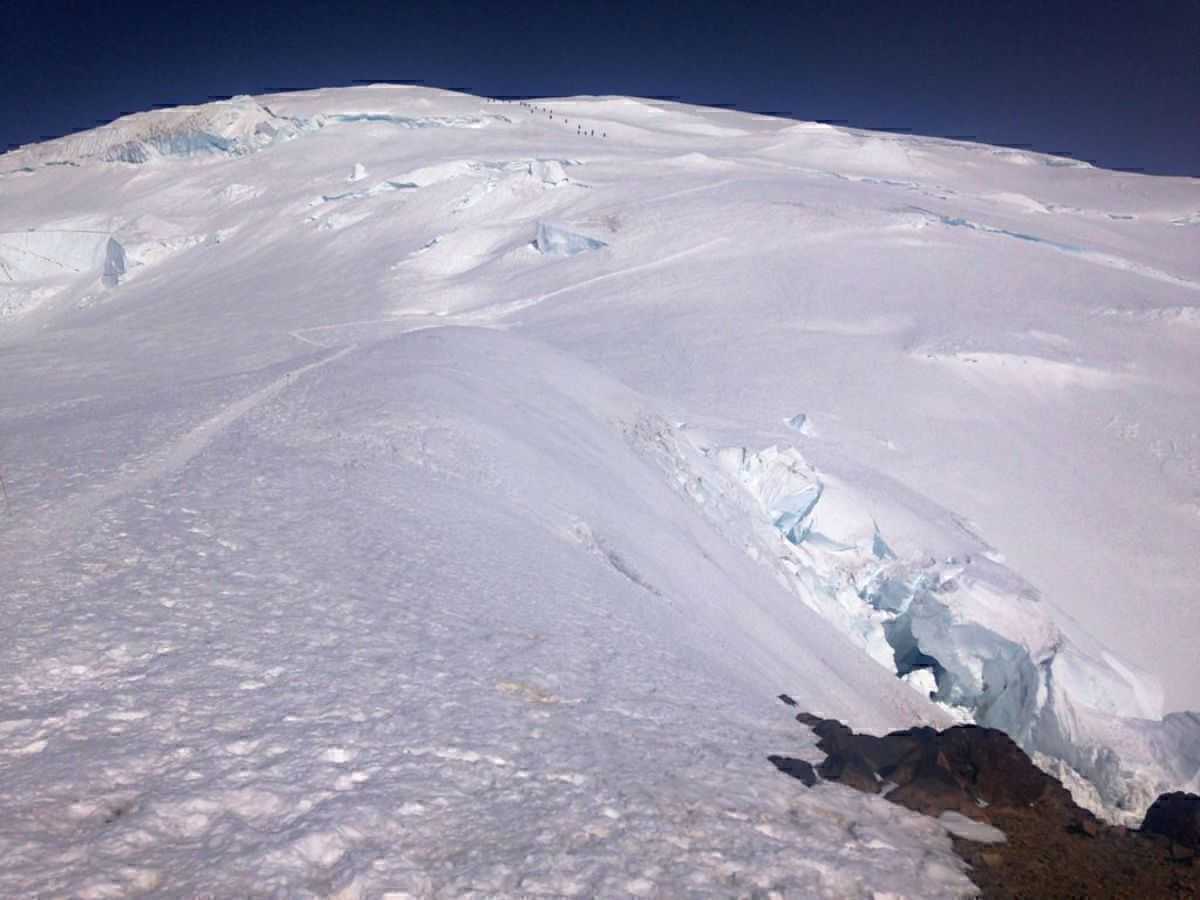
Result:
413,493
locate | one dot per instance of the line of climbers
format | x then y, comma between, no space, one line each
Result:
535,109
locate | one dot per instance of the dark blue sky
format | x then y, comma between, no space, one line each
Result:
1109,82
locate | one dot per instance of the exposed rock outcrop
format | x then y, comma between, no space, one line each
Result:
1175,816
1051,846
797,768
965,768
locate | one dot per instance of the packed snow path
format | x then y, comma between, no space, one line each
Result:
73,513
313,590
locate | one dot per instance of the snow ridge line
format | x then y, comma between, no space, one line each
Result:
699,189
1096,257
439,320
299,333
178,453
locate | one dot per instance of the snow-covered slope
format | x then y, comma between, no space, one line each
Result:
413,492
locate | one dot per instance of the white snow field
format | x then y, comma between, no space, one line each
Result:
414,495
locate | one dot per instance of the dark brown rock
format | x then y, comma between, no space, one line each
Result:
1052,849
964,769
1175,816
1087,827
1039,859
797,768
852,771
810,720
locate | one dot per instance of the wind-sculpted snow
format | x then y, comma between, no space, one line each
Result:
410,492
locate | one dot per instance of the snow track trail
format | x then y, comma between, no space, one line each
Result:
300,333
167,459
499,311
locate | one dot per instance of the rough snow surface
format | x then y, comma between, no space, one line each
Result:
264,668
363,535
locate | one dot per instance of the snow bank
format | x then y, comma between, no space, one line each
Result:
36,254
60,255
548,171
1187,316
846,151
438,172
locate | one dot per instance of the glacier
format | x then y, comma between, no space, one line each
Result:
229,127
405,491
